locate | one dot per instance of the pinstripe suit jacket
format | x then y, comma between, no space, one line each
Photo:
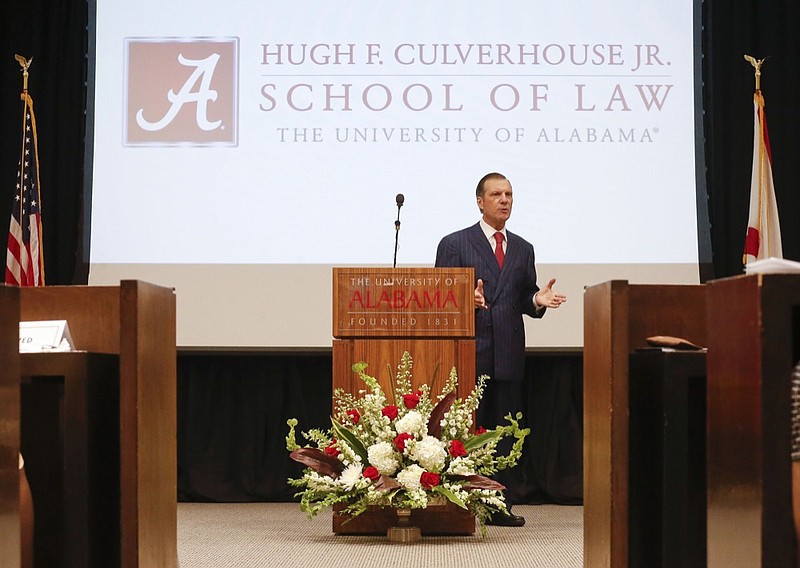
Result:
499,331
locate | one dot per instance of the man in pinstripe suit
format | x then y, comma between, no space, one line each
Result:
505,290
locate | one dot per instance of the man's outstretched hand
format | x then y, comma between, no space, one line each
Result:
547,297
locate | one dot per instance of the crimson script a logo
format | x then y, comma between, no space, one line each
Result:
181,91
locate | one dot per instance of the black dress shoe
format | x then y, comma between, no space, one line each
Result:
506,520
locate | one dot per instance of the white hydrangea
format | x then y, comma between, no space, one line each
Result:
383,457
430,453
409,477
413,423
350,476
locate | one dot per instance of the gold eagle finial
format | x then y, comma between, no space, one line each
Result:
756,63
24,63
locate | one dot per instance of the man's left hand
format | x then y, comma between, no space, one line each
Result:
549,298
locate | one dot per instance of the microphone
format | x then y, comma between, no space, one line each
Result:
400,199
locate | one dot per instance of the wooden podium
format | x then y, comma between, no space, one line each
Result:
752,348
9,427
134,322
618,317
379,313
751,326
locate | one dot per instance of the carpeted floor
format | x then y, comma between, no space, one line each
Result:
278,535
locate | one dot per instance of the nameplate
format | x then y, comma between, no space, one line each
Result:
38,336
403,302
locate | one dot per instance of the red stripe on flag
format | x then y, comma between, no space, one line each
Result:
13,269
751,241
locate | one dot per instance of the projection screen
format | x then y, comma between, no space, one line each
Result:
240,151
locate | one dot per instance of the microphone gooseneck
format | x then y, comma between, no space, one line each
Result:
400,199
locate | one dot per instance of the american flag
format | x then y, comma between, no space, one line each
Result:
25,257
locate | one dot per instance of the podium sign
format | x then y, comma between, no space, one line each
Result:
403,302
37,336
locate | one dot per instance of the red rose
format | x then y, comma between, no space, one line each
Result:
390,411
400,441
457,448
331,449
429,480
354,415
371,472
411,400
480,430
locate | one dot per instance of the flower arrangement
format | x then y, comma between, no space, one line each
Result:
407,451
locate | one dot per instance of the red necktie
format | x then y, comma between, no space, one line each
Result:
498,250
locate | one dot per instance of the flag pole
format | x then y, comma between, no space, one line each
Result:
758,99
25,253
23,96
763,238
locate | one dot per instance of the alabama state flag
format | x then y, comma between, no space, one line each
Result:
763,238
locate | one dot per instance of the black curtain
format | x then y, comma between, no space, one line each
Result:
551,470
53,33
232,413
763,30
232,409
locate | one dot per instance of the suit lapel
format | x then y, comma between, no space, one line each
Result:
513,253
483,249
511,261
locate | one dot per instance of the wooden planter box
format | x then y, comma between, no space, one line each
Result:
445,519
